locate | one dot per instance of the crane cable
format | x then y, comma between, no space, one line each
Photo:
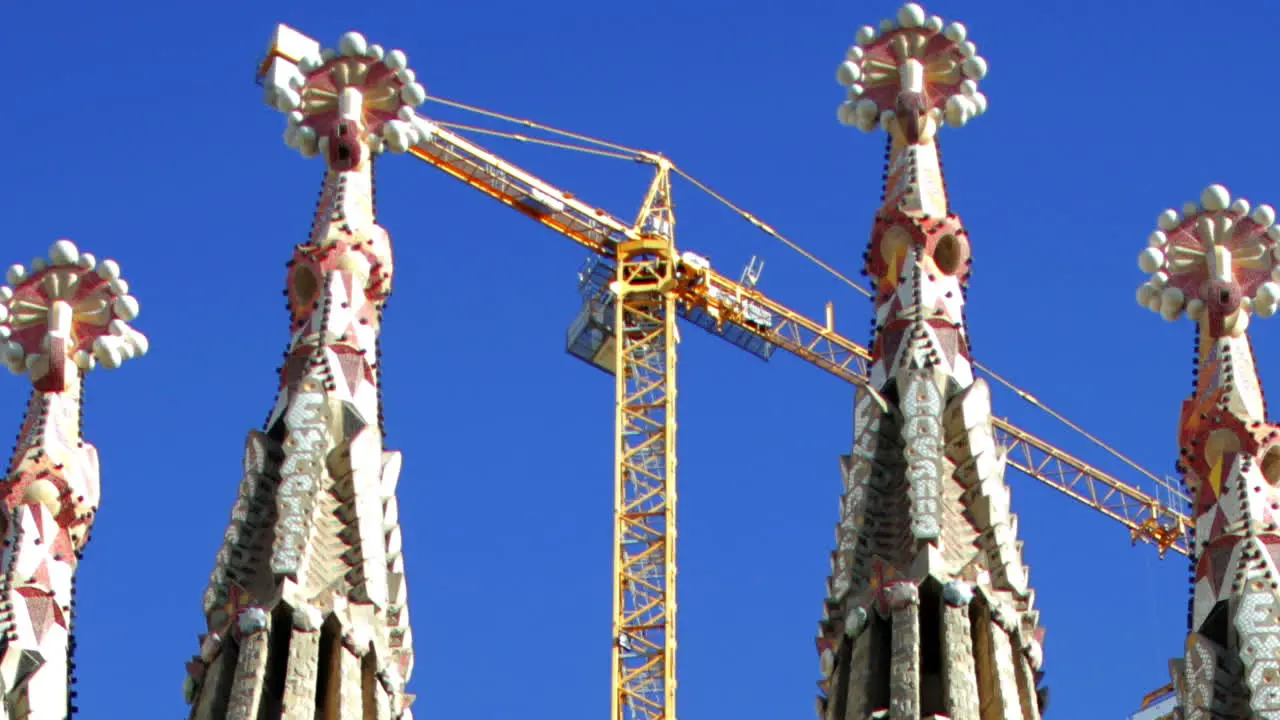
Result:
768,230
623,152
534,140
631,152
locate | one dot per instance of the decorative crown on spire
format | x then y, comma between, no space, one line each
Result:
912,66
373,89
1214,257
67,307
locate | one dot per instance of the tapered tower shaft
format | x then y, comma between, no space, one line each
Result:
306,607
62,316
929,610
1216,261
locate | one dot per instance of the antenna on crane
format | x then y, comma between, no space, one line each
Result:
751,273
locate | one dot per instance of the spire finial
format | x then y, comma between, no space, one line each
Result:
911,74
359,89
1217,260
67,313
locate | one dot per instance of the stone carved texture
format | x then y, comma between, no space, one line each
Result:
60,316
1217,262
904,673
925,506
314,547
922,434
959,677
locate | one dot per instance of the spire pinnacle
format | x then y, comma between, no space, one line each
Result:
307,600
908,77
911,75
65,314
359,91
926,554
59,317
1217,261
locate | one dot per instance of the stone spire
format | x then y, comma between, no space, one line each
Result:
1217,262
306,606
929,612
59,318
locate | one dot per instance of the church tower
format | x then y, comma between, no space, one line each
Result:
306,606
1217,261
60,317
929,610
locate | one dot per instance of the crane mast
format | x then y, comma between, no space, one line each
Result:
644,605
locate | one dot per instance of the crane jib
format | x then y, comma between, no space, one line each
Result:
754,322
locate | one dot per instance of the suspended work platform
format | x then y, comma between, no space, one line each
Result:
591,336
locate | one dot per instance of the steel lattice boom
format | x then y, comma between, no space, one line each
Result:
1148,518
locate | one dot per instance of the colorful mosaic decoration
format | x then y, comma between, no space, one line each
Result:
925,529
306,607
1217,262
60,317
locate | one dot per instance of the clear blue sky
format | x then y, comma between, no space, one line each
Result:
136,129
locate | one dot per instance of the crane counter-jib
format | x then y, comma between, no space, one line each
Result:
735,305
593,228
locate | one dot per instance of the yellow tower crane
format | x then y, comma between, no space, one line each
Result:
634,288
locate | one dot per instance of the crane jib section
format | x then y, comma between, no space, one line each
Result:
758,324
591,227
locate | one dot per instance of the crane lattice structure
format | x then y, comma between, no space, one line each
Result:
635,285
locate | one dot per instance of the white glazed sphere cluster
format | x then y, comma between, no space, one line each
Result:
405,131
1170,302
118,342
866,115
